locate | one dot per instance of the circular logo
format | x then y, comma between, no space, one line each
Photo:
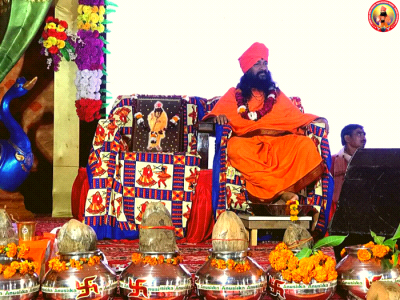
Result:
24,230
383,16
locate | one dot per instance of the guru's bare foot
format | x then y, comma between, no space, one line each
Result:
288,196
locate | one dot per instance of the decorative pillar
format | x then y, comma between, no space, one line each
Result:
66,122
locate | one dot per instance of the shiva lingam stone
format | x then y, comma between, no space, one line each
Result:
155,271
229,272
88,276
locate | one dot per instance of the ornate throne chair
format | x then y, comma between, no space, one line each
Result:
229,187
122,182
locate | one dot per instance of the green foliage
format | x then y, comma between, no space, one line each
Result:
329,241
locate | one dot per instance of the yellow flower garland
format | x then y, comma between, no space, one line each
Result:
152,260
230,264
58,266
293,206
12,250
23,267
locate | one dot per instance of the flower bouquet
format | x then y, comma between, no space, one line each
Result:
306,273
57,42
363,264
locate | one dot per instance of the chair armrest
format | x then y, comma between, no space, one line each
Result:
206,126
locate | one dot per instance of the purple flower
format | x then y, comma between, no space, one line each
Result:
92,2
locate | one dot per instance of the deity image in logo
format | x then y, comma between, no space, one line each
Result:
383,16
158,122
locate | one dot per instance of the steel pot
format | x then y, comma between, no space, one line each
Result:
355,276
18,287
214,283
279,288
161,281
92,282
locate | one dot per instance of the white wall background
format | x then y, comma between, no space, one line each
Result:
325,52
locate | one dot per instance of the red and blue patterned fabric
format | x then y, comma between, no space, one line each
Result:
123,183
229,187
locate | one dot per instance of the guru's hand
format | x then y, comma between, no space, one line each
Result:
221,119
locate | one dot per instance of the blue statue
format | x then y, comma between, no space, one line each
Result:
16,157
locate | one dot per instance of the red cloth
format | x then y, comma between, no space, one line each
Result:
201,221
80,188
253,55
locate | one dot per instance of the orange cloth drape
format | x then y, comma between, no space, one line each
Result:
37,251
272,153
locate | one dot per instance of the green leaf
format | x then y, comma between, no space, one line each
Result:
107,22
104,91
111,3
397,233
105,73
305,252
385,264
70,47
104,40
330,241
104,105
65,54
109,10
390,243
396,257
377,239
104,66
105,50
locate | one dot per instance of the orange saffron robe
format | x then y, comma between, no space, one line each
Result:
273,154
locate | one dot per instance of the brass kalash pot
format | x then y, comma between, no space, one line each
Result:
156,272
355,276
15,283
18,279
229,273
80,271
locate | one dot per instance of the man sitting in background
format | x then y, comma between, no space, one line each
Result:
353,137
268,145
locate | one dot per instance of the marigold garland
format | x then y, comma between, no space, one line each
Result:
318,266
230,264
59,266
293,207
155,260
12,250
372,250
23,267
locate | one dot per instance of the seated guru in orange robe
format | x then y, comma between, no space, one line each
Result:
268,145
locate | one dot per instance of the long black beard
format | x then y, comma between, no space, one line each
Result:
250,81
383,14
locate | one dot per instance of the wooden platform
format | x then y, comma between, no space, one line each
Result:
253,223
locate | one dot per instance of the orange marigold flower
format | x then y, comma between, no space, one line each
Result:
12,250
281,246
169,260
369,245
22,250
136,257
343,253
287,275
1,268
160,259
2,249
380,251
293,263
230,264
363,254
321,274
332,275
9,272
296,275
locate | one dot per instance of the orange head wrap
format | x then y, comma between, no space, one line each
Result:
383,8
253,55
